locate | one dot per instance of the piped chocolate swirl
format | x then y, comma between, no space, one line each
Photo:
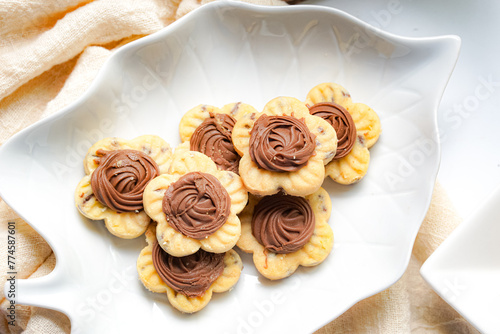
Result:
281,143
213,138
119,180
341,121
283,223
196,205
190,275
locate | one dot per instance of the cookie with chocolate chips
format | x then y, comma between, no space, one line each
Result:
190,281
357,127
284,232
283,148
195,205
118,171
208,130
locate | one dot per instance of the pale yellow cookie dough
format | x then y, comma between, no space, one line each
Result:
366,119
193,118
277,266
152,281
176,243
302,182
154,146
126,225
218,146
353,167
197,115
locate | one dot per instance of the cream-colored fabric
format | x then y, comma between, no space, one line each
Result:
49,53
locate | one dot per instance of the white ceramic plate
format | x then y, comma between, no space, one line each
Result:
465,269
220,53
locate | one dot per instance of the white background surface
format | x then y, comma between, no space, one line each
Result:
465,269
469,115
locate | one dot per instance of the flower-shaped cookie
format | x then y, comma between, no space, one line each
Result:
195,205
188,281
284,231
357,127
283,147
209,130
117,171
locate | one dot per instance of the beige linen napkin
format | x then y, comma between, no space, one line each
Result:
50,52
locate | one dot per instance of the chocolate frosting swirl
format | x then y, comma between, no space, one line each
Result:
213,138
281,143
119,180
341,121
196,205
190,275
283,223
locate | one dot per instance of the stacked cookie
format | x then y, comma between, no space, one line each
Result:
240,177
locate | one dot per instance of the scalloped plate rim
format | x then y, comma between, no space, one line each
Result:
178,25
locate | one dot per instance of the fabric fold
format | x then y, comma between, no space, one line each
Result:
96,23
